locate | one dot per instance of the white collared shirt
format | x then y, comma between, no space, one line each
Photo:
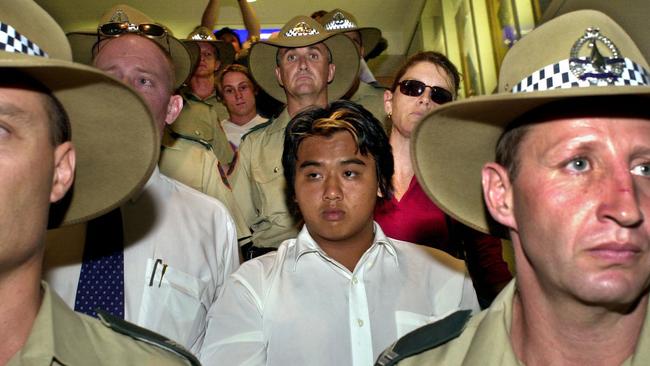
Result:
234,132
298,306
191,233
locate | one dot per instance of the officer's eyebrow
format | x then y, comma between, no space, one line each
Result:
12,111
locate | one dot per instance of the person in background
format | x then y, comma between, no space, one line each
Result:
341,284
304,66
251,22
365,90
57,135
238,90
426,81
171,246
559,158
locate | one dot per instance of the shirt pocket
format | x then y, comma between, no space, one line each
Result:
407,321
175,305
270,183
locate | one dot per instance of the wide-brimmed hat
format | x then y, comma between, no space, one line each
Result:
83,42
113,132
632,15
225,50
303,31
590,56
340,21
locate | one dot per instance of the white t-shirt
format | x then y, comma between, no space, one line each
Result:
234,132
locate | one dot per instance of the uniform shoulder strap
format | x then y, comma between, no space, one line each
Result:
123,327
424,338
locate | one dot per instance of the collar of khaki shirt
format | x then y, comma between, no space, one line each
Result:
305,244
187,94
491,343
51,339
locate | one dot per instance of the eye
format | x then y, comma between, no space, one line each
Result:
291,57
145,82
243,88
350,174
642,170
314,56
313,176
578,164
229,91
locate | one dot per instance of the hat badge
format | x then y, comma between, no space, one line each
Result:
201,35
301,29
597,66
339,21
119,17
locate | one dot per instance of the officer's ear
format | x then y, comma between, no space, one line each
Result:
388,102
64,166
174,108
497,192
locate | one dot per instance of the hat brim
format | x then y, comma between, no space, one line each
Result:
369,37
116,151
82,44
262,63
451,145
226,51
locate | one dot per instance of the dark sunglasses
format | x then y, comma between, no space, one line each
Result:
116,29
153,31
415,88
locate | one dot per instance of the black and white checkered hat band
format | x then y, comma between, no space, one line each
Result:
12,41
559,76
340,24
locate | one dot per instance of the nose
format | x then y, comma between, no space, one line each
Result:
238,94
302,63
425,98
332,190
620,201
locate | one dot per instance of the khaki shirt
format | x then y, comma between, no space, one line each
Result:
371,98
60,336
200,120
486,340
191,163
259,185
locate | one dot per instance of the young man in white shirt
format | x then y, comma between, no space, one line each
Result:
341,291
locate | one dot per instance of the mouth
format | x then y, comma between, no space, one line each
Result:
333,214
616,252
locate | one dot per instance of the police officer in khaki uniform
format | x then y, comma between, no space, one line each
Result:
200,119
44,100
563,154
367,93
187,151
304,66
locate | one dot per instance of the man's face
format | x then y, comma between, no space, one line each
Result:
227,37
141,64
336,189
238,94
304,71
208,63
31,175
579,208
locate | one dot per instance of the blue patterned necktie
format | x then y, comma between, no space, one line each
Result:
101,281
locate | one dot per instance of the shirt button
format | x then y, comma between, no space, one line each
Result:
275,170
197,132
360,322
354,280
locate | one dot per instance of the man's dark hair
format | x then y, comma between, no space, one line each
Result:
339,116
435,58
225,30
59,121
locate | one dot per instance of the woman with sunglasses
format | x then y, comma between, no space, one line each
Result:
426,81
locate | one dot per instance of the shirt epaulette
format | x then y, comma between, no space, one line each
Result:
144,335
258,127
376,85
424,338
